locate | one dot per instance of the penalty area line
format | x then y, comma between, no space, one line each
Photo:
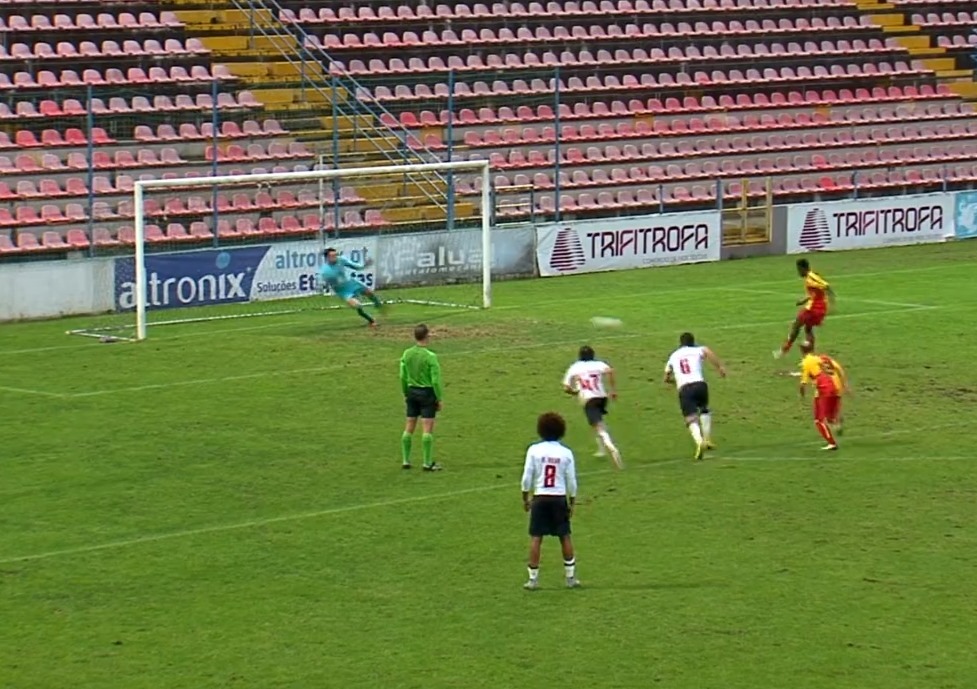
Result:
252,523
30,391
839,456
858,300
470,352
299,516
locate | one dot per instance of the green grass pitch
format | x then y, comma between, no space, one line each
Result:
223,505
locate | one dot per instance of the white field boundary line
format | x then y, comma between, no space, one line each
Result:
740,455
840,457
879,302
508,485
237,526
535,305
447,355
30,391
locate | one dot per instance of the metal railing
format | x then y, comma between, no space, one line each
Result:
346,98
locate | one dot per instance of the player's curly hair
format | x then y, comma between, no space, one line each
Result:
551,426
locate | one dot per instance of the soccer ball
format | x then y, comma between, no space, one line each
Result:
606,322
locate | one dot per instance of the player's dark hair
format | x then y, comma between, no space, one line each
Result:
803,264
328,251
586,353
551,426
421,332
686,340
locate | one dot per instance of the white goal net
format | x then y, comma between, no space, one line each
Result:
233,246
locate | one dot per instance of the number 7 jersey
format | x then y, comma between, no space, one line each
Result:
588,379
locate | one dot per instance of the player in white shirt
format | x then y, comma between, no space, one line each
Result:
549,492
684,368
585,379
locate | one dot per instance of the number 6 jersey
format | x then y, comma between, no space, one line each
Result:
685,363
588,379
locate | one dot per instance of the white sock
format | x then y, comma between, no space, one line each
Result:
706,421
696,432
533,573
606,437
600,445
570,567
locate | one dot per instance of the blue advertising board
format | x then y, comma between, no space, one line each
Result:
233,275
966,210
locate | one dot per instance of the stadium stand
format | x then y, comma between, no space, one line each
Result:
625,105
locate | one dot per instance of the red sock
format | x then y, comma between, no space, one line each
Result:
787,345
825,432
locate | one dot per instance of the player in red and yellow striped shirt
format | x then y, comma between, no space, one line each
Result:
830,383
815,306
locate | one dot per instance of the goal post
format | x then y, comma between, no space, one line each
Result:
425,177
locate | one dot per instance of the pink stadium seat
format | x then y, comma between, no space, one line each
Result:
52,239
27,241
7,246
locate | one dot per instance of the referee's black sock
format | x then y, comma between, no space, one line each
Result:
364,315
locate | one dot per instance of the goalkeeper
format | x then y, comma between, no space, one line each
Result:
335,274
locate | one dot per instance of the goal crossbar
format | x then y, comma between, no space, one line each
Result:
142,186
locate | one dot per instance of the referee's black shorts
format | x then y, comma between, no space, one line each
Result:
421,402
549,515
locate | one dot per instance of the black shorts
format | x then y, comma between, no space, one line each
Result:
421,402
694,398
549,515
595,410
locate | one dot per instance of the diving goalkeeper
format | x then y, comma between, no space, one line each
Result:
335,274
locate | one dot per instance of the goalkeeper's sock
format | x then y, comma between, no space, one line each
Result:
364,315
375,299
427,446
406,440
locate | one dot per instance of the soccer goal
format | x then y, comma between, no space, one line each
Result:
233,246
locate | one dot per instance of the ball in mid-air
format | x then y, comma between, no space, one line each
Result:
606,322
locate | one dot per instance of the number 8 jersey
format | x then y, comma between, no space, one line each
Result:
587,377
549,470
685,363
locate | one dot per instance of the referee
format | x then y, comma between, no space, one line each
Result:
420,381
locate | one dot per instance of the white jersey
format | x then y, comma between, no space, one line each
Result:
587,378
549,470
685,363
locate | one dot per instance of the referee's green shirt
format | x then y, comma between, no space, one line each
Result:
419,368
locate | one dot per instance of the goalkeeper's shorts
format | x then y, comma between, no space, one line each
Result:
350,291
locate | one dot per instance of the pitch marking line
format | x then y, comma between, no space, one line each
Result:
840,457
446,355
508,485
880,302
505,307
31,391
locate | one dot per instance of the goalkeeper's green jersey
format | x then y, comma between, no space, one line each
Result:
419,368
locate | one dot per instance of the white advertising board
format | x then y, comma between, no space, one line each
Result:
870,223
643,241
